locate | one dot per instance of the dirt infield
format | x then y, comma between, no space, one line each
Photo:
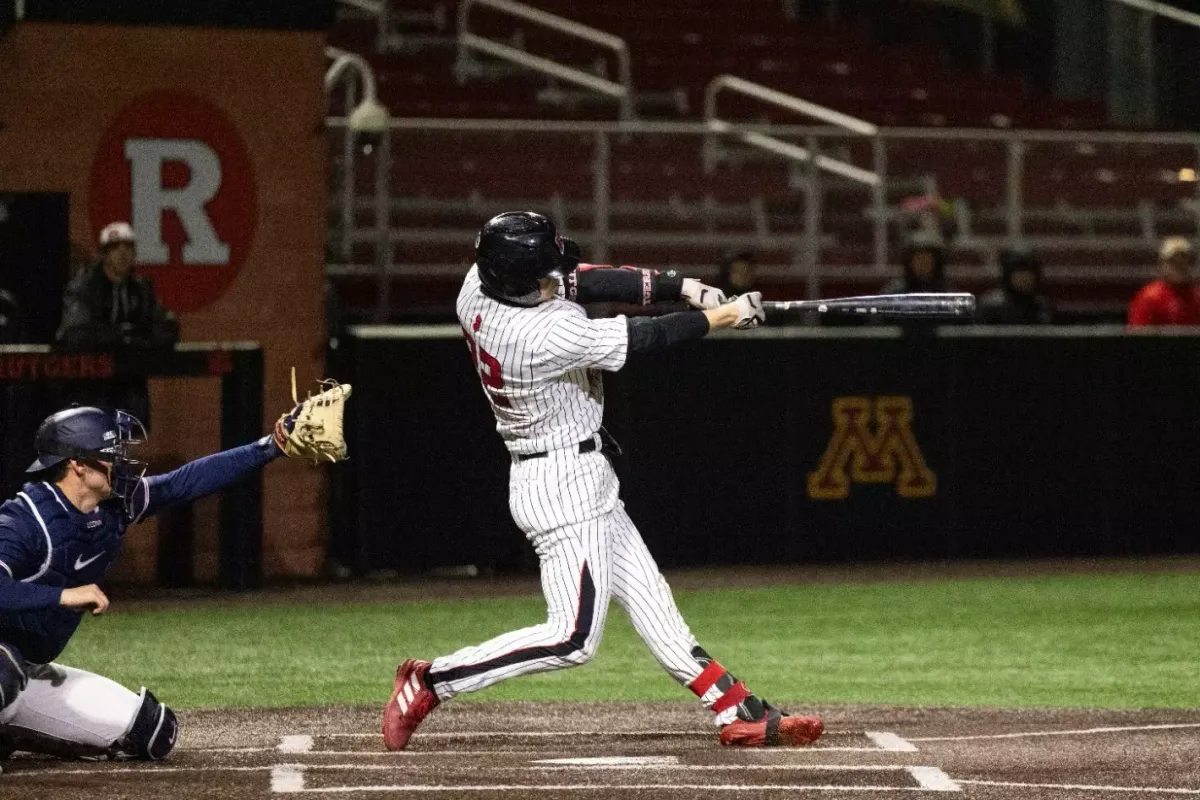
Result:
484,751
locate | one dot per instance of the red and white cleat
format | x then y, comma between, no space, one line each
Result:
411,702
774,730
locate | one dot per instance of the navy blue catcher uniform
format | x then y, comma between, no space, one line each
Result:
48,545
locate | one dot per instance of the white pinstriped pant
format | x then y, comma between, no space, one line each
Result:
590,551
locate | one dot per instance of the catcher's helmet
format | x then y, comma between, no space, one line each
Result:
515,250
86,433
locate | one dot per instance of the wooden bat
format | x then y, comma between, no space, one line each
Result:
921,305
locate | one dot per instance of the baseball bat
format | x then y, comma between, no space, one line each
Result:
922,305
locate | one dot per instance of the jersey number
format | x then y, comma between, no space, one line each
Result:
489,368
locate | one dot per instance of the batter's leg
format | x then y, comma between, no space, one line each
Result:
576,580
642,590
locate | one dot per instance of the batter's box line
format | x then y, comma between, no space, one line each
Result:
1075,732
290,779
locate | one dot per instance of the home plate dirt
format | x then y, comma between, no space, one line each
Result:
525,750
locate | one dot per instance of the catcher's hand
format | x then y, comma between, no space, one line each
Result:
313,428
699,295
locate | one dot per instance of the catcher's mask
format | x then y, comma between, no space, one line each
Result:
96,437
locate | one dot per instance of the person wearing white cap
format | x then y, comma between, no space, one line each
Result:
1173,299
108,306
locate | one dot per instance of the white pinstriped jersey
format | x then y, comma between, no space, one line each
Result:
540,366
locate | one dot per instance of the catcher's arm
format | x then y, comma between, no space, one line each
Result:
312,429
201,477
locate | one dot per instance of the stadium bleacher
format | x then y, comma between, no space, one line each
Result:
1091,208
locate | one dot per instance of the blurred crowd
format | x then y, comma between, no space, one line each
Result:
106,306
1019,297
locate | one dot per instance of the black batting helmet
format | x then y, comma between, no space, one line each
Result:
514,251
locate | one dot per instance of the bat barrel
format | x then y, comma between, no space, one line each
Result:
917,305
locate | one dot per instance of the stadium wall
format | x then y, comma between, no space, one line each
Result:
83,108
804,445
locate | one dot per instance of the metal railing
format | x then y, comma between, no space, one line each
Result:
597,222
1164,10
620,89
875,179
344,65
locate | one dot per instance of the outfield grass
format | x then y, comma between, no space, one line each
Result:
1104,641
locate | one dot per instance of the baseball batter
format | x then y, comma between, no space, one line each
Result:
539,359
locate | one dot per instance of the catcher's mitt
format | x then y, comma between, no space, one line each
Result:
313,429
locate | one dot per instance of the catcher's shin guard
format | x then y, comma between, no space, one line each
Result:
774,729
411,702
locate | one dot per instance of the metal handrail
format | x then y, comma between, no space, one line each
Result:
873,178
778,146
621,89
370,6
783,100
601,206
343,60
886,133
376,115
1164,10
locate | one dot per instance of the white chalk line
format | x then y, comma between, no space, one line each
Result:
711,767
287,778
890,742
295,744
1078,732
749,751
547,734
144,769
1082,787
933,779
151,770
629,787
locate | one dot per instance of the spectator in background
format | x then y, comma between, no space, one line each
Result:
924,266
1172,299
738,272
12,331
109,307
1019,299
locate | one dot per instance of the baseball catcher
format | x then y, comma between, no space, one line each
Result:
59,536
539,358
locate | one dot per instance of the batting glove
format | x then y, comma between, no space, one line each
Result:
702,296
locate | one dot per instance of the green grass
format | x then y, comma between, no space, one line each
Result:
1098,641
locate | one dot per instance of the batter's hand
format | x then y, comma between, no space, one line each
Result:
84,597
699,295
749,310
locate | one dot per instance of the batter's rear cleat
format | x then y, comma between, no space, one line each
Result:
411,702
775,729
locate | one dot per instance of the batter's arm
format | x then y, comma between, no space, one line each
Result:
651,334
592,283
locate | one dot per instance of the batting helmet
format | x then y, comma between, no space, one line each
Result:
515,250
90,434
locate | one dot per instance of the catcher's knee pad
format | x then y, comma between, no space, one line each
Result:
13,676
154,730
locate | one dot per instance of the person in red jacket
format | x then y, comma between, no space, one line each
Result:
1172,299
